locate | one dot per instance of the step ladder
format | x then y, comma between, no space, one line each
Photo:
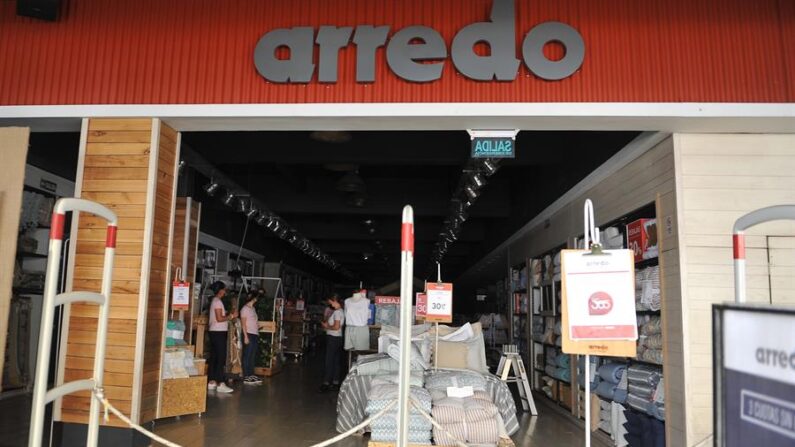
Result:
512,360
41,395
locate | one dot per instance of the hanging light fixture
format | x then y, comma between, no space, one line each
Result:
262,218
471,192
351,182
489,166
211,188
242,205
476,180
229,199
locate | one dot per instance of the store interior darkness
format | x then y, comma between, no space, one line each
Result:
298,176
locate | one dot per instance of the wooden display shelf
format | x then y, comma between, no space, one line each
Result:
183,396
267,326
275,368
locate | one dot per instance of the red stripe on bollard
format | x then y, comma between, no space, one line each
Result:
407,237
110,239
739,246
56,226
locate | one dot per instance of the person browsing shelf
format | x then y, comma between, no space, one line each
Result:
333,326
218,332
249,320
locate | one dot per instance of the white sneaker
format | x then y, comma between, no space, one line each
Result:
212,386
223,388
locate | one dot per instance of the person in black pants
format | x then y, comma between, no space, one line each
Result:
333,327
218,332
249,320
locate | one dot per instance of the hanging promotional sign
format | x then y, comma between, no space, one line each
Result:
422,306
180,296
387,300
440,302
598,294
754,376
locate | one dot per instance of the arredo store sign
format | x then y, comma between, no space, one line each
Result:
417,53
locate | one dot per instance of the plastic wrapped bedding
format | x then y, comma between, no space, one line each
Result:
452,410
550,370
606,390
641,390
388,421
654,341
652,326
657,410
455,378
389,435
563,360
481,432
644,374
611,372
381,395
352,401
418,363
376,364
652,356
417,378
563,374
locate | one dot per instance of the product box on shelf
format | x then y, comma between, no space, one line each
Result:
642,237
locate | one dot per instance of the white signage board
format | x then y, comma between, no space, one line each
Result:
439,303
600,295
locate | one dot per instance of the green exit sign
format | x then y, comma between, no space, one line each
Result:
493,143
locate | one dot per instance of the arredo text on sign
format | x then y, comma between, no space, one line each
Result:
417,53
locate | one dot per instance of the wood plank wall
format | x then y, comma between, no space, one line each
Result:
116,172
647,179
159,273
13,152
720,177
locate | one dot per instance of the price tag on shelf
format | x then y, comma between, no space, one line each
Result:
180,297
440,303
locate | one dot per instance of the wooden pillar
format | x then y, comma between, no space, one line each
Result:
13,152
130,166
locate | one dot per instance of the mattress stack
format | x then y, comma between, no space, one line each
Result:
384,428
647,289
650,341
473,420
646,390
610,382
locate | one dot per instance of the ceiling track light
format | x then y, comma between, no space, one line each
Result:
488,166
477,180
229,199
242,205
471,192
252,212
211,188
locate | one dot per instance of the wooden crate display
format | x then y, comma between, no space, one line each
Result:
184,396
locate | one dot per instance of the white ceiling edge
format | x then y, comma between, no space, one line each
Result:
668,117
496,260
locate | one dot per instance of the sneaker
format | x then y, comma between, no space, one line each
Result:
223,388
256,379
249,381
212,386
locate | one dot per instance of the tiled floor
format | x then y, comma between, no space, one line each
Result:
285,411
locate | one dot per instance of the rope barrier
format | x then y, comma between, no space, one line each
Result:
353,430
99,394
427,416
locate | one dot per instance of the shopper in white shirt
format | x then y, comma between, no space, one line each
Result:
249,320
333,326
218,332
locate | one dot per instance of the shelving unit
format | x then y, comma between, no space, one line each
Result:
519,308
40,192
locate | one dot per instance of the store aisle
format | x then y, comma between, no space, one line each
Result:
287,410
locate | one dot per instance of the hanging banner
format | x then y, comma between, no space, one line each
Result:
180,296
440,303
422,306
598,294
387,300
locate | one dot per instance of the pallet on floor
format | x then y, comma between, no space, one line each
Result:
267,372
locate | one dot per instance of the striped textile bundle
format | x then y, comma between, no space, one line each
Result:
390,435
455,409
482,432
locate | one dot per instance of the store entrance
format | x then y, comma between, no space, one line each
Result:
320,211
